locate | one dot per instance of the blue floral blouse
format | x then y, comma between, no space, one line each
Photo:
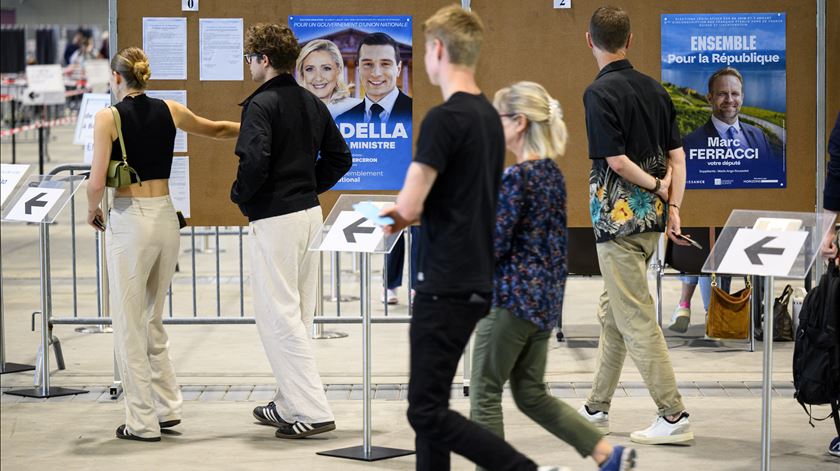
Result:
530,243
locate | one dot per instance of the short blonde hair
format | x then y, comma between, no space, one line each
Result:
460,31
342,90
546,133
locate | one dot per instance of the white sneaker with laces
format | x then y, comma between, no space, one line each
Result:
553,468
390,296
663,432
601,420
680,320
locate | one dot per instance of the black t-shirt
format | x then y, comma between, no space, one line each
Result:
627,113
463,140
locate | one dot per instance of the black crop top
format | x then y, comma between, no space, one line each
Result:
149,135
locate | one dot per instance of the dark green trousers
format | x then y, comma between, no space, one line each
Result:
509,348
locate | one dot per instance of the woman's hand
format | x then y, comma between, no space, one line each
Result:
96,219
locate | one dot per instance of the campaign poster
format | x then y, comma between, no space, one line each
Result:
360,67
726,76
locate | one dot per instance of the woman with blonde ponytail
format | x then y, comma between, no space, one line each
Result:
142,237
511,343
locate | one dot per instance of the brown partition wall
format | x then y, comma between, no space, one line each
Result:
526,40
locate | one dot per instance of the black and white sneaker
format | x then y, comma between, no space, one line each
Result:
302,429
268,415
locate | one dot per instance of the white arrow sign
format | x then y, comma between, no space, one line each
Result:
35,204
764,253
352,232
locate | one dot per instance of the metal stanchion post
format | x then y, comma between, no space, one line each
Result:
43,389
14,137
7,367
410,284
318,331
467,366
657,270
366,452
767,381
755,306
101,275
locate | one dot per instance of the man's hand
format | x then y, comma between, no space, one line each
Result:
828,249
665,186
674,226
399,224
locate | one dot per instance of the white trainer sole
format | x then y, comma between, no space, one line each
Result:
666,440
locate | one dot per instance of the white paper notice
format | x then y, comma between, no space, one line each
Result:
92,103
179,185
165,43
220,44
10,175
181,97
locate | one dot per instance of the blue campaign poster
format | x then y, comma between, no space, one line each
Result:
726,76
360,67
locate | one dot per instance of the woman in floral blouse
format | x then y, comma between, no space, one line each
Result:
511,343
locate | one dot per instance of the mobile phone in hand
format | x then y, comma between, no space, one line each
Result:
97,221
690,241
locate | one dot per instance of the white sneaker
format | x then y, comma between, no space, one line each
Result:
553,468
390,296
661,432
680,320
601,420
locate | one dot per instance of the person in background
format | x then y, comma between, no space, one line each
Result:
511,343
831,206
142,238
636,187
73,45
453,186
682,314
290,151
320,69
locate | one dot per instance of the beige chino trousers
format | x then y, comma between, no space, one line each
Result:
142,243
283,277
628,325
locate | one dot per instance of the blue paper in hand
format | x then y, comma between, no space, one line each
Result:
371,212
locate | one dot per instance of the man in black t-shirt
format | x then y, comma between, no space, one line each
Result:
452,187
636,188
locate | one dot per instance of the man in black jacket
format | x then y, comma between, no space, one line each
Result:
284,129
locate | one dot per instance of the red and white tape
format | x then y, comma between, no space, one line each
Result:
38,124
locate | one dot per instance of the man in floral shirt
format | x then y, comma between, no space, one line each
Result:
636,188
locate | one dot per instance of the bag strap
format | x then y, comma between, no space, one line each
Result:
118,123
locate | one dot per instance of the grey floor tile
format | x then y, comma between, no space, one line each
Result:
94,393
261,395
238,392
387,393
9,399
634,392
563,392
213,393
338,394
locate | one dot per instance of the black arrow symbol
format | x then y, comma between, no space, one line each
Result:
353,229
754,250
27,207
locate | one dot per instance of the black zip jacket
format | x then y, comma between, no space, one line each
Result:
284,128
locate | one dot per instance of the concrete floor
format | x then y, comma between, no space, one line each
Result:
224,374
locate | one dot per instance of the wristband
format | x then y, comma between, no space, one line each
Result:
672,204
657,186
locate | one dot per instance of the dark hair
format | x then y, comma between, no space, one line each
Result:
276,42
724,71
609,28
379,39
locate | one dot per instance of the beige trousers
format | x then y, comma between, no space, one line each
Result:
628,325
283,277
142,243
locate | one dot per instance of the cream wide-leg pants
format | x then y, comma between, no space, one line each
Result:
283,277
142,244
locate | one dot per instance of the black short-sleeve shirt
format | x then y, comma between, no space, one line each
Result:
463,140
627,113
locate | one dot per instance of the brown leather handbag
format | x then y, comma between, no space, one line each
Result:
729,314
